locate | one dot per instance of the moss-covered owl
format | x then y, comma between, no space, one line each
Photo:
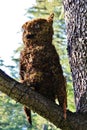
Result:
39,62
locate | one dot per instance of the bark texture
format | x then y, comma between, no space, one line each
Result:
46,108
76,24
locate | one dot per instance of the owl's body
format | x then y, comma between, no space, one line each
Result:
39,62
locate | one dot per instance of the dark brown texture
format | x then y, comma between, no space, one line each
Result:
39,62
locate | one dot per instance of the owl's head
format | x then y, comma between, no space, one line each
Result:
38,30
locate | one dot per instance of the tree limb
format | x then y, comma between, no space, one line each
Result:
47,109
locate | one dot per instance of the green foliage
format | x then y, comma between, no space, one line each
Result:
1,62
11,113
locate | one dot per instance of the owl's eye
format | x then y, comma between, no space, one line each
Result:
37,26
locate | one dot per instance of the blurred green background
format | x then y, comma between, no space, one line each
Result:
12,116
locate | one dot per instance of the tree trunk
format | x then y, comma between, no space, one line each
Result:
46,108
76,24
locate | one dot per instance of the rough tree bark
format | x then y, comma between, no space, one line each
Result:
46,108
76,24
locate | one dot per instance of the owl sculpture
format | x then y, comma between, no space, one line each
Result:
40,64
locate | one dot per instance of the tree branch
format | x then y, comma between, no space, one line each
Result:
47,109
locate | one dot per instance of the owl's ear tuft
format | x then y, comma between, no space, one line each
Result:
50,18
24,26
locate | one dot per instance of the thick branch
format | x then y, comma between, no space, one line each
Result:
46,108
